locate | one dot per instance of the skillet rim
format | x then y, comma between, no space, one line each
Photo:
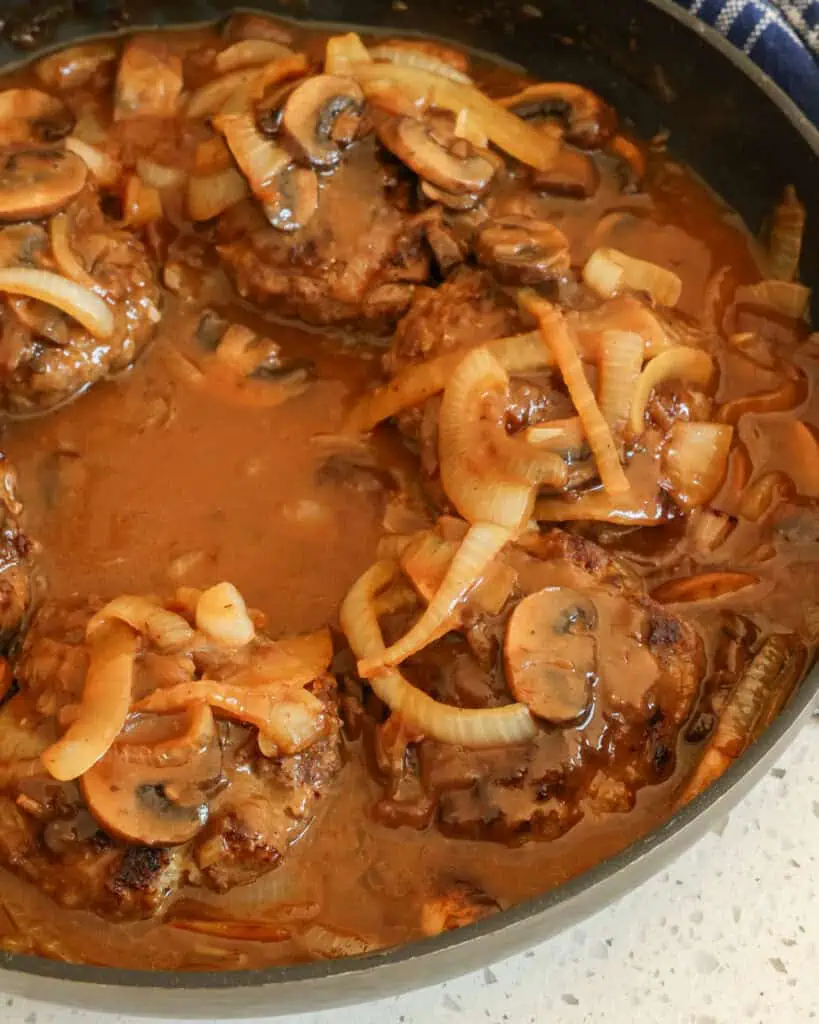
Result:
630,867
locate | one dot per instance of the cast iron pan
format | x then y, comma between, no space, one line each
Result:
661,69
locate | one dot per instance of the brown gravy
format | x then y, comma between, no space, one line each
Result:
145,483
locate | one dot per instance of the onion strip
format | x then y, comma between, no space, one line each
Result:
468,727
104,169
409,58
479,487
785,297
197,737
259,159
415,384
271,711
212,194
167,630
566,437
342,52
692,365
73,299
555,333
696,459
482,544
250,53
64,255
787,229
607,270
509,132
621,359
103,708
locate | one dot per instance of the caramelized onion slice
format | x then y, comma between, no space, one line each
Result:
763,495
76,301
556,335
426,560
342,52
479,548
621,359
785,297
467,727
212,97
608,270
696,459
787,229
566,437
166,630
260,160
407,57
274,713
641,505
212,194
171,753
65,257
221,613
480,488
103,707
105,169
762,688
510,133
415,384
250,53
679,363
705,586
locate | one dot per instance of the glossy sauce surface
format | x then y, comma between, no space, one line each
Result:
147,482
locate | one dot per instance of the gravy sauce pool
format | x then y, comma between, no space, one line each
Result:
146,482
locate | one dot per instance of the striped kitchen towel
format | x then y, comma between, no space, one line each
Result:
781,36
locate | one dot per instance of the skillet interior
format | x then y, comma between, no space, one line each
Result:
747,142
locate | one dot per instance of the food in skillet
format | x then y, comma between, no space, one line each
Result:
530,523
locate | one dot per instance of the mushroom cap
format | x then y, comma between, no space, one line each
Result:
133,801
550,653
312,110
296,198
414,144
29,116
20,244
523,250
38,182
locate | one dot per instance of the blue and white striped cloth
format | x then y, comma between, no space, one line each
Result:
781,36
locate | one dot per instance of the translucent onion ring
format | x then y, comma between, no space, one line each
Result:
78,302
482,544
555,333
468,727
103,707
679,363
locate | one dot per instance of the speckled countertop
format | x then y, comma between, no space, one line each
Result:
729,934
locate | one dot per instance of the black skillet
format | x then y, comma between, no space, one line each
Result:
661,69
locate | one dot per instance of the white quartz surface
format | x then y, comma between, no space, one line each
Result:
730,934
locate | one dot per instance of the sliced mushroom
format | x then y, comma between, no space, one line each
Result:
574,175
21,244
152,805
550,653
38,182
457,167
589,121
523,250
29,116
295,200
460,203
314,113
